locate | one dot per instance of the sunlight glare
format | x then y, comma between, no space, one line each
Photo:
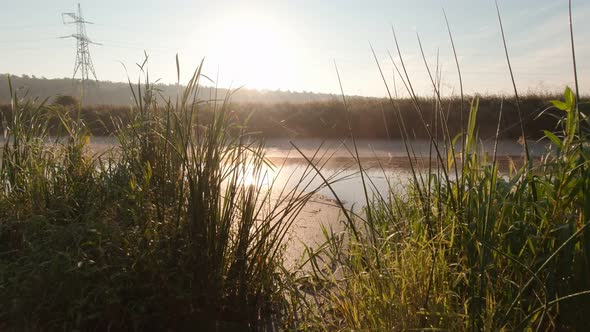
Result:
262,178
255,50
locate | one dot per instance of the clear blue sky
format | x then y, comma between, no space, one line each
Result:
291,45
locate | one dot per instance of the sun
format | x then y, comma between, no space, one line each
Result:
255,50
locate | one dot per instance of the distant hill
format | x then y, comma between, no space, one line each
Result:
118,93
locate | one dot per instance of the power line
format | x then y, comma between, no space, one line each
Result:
27,26
21,41
83,59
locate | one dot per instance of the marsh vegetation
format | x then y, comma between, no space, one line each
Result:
176,228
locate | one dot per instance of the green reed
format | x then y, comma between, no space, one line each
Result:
163,231
466,246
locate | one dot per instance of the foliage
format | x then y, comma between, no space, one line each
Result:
66,101
370,117
162,232
117,93
475,253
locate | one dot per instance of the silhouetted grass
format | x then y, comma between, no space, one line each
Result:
465,246
491,258
165,231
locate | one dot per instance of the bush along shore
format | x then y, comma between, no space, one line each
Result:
371,117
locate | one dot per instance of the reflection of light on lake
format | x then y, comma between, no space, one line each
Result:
257,175
344,179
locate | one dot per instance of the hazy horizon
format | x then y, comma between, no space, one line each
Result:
288,45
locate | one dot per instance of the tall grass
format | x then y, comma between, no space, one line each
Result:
495,260
480,250
163,232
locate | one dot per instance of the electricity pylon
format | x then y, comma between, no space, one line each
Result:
83,59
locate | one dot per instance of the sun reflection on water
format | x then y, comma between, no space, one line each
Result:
258,176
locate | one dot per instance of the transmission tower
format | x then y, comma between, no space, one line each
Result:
83,59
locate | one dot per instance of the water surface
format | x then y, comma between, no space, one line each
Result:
384,162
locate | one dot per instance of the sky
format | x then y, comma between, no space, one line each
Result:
294,45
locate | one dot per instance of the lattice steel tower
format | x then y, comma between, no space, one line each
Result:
83,59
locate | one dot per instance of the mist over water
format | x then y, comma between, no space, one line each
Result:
385,163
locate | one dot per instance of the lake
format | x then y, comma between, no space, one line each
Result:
384,161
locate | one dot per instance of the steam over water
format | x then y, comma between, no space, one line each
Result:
385,162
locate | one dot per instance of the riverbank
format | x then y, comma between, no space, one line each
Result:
371,118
